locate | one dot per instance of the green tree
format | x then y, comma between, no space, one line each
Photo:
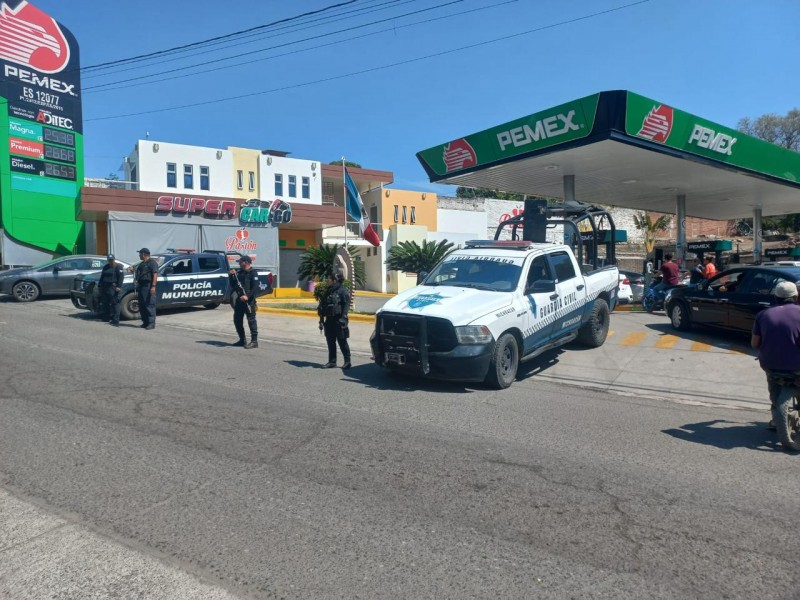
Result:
318,263
347,163
650,229
468,192
410,257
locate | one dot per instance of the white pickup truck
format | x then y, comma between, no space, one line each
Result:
486,307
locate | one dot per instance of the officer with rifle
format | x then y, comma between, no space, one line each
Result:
110,284
332,310
244,282
145,276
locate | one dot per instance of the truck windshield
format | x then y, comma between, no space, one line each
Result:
479,273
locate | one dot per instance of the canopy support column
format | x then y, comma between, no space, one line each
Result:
757,236
680,240
569,188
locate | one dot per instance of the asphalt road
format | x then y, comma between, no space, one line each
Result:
166,464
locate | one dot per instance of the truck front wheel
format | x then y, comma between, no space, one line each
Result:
505,362
594,333
129,306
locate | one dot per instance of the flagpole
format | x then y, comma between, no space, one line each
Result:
344,203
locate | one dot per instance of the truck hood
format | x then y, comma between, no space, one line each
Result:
458,305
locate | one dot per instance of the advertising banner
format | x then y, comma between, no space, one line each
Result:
557,125
657,122
41,155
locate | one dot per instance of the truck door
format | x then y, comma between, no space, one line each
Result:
172,280
538,328
214,269
570,300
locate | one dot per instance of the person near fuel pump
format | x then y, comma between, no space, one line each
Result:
110,284
245,288
709,269
696,271
146,275
776,336
669,275
333,321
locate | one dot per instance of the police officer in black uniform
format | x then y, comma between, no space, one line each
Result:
146,276
245,286
110,284
332,311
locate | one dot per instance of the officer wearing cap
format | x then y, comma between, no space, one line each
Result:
776,335
245,287
110,284
146,276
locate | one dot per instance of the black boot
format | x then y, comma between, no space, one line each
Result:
241,342
346,364
253,343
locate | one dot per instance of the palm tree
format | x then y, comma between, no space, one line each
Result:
410,257
645,224
318,263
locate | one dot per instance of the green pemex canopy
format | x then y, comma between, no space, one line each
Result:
625,150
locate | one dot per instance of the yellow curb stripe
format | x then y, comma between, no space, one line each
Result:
634,339
667,341
700,347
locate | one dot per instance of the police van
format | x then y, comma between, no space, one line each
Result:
488,306
185,278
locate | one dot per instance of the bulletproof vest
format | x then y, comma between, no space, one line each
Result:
143,275
333,305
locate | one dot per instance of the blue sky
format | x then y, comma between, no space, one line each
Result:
720,59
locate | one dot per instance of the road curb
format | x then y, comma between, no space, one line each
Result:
310,314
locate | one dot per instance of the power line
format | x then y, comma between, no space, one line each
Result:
115,84
309,25
379,68
221,37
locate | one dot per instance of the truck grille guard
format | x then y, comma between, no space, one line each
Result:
406,340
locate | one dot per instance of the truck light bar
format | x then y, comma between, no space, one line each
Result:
505,244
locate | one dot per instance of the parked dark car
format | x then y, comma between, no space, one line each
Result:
53,278
729,300
184,279
636,281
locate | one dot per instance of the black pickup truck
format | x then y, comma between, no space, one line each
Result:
184,279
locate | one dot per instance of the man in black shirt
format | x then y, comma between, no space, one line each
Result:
332,310
146,276
110,284
244,283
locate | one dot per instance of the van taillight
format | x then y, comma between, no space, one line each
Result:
626,282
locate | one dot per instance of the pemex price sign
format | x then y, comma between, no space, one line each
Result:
41,153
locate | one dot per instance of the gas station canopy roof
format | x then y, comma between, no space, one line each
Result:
629,151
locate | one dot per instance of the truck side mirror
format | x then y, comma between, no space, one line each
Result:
421,276
541,286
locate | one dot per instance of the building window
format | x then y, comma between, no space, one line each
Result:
278,184
188,176
205,178
405,214
327,192
251,180
292,186
373,214
413,214
133,174
306,191
239,180
172,175
396,209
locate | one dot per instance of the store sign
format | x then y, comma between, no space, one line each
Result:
184,205
242,242
262,212
42,149
651,120
558,125
777,252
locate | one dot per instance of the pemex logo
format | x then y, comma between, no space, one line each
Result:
459,155
31,38
657,124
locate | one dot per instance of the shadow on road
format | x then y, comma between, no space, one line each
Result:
217,343
542,362
377,378
725,340
755,436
